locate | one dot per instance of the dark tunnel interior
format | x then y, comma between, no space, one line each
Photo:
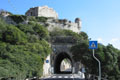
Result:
59,58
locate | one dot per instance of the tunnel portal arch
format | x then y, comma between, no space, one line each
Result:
57,63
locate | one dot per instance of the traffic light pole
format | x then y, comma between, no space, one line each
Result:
99,65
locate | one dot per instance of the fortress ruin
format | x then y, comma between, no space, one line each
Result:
53,20
43,11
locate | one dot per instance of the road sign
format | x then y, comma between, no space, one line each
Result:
47,61
93,45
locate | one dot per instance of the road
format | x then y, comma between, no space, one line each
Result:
63,77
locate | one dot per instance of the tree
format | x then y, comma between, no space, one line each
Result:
34,29
21,55
41,31
108,55
13,35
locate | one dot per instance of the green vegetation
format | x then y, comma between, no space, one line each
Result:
41,19
37,19
23,49
18,18
60,32
34,31
21,18
108,55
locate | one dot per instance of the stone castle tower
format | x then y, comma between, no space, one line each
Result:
44,11
78,21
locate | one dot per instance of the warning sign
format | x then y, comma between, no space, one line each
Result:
93,45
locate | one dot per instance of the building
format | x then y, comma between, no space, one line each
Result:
44,11
4,13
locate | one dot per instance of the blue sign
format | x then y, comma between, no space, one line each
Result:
47,61
93,45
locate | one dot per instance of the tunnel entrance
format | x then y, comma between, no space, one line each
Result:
61,61
66,66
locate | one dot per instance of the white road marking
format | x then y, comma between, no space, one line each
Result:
54,76
59,76
65,76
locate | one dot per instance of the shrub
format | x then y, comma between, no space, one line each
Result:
18,18
13,35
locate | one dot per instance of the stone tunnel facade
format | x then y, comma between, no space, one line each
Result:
61,50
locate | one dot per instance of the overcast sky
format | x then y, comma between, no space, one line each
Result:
100,18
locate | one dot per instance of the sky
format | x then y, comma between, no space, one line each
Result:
100,18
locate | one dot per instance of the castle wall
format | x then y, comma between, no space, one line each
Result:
53,20
44,11
55,23
47,12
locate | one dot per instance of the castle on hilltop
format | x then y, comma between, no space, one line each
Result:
44,11
53,20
